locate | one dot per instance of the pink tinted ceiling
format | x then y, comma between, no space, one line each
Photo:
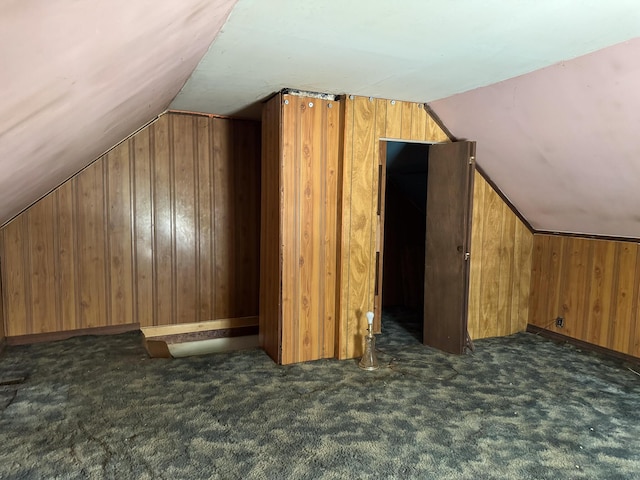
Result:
563,142
76,77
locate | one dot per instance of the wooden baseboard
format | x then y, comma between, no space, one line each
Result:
55,336
582,344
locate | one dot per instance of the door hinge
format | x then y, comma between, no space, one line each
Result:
467,255
471,159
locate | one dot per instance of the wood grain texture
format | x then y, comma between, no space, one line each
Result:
163,218
448,212
119,237
289,164
500,277
185,224
366,120
2,335
41,254
592,284
131,238
490,258
143,226
331,235
15,269
65,255
205,226
270,219
90,256
301,143
315,159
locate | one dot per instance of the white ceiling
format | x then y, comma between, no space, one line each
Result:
418,50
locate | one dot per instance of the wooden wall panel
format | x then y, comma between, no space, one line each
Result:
205,241
2,335
271,274
501,244
185,223
16,285
40,225
301,150
489,267
592,284
367,120
310,158
331,227
146,234
523,248
143,226
223,246
90,256
163,219
65,254
119,236
499,280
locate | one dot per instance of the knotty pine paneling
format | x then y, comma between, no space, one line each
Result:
300,240
367,120
500,275
163,229
593,284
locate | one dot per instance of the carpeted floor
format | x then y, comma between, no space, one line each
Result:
520,407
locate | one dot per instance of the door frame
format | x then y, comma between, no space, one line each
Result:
379,251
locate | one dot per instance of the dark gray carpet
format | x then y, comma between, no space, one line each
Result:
520,407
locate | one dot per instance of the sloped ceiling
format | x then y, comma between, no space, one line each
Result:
76,77
563,142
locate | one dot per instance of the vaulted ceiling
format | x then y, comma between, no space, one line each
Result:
547,89
77,77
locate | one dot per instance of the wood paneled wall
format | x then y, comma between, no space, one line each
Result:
270,334
501,244
500,276
2,335
163,229
300,179
593,284
367,120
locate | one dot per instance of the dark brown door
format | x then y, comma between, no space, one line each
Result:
449,196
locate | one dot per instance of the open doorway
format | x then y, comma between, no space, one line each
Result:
404,210
425,203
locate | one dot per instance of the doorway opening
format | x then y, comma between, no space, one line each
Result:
403,218
425,204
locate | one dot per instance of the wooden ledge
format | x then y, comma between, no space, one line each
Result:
186,339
